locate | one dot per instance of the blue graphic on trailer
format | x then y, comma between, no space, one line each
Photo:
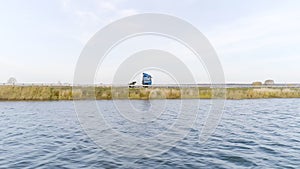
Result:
147,79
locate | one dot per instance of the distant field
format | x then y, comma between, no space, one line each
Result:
11,92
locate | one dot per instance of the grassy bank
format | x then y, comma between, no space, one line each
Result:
66,93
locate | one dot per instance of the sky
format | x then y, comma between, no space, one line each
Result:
40,41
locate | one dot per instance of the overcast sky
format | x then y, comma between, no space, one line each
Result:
255,40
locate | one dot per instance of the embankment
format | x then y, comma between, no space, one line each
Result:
101,93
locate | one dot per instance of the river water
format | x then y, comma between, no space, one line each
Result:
262,133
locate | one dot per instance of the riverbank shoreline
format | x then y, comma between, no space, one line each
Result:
48,93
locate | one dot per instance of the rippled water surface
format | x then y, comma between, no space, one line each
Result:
252,134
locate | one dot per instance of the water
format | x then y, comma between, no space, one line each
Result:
252,134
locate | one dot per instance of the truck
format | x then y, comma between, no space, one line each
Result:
146,81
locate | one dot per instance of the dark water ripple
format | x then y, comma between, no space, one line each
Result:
252,134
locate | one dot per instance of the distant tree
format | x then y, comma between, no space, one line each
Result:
269,82
12,81
256,83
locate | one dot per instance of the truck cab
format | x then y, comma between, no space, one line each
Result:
147,79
